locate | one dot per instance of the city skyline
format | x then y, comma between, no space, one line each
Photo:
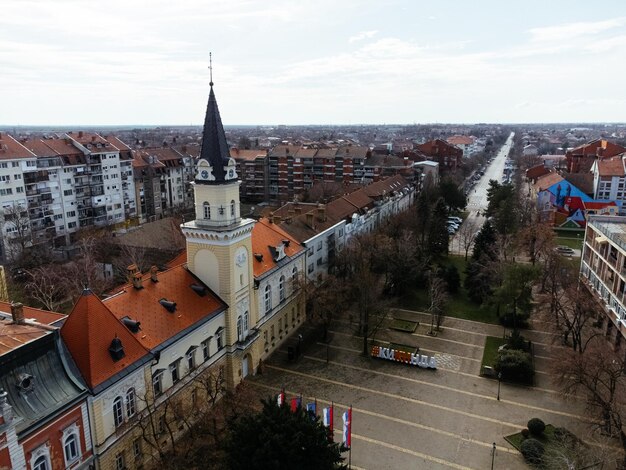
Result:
278,62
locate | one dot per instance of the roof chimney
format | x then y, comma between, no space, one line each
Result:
153,273
321,212
137,281
270,218
80,133
130,272
309,219
17,312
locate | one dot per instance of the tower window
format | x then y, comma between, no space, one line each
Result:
232,208
207,210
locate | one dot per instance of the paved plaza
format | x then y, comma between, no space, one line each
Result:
405,417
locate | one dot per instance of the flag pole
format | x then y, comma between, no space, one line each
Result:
350,450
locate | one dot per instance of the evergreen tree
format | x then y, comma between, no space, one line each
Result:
438,236
485,243
454,197
277,438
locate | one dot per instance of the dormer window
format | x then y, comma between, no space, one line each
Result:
116,350
207,210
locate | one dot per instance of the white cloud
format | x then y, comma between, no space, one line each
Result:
570,31
363,35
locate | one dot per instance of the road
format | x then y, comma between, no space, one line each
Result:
477,198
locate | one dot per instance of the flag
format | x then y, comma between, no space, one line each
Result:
295,404
281,398
327,417
311,409
347,428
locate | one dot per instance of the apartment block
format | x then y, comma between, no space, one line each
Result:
54,186
603,270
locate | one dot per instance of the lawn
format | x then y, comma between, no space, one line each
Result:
490,354
576,243
559,451
403,325
459,305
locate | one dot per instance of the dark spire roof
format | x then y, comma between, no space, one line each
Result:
214,146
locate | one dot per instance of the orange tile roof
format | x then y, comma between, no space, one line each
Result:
460,140
265,235
250,155
611,167
30,313
157,324
180,259
545,181
88,332
11,148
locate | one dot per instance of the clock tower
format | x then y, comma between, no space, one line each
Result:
219,241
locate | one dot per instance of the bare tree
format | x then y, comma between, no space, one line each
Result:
537,240
576,309
47,286
466,236
438,294
599,374
17,224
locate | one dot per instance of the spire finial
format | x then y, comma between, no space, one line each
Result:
210,69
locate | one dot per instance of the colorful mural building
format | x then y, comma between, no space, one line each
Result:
563,205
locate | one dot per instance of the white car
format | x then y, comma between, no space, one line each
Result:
458,220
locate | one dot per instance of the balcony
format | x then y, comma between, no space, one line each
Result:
245,343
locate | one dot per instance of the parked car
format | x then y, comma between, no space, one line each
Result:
458,220
565,250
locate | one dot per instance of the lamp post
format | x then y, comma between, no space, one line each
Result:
493,454
499,381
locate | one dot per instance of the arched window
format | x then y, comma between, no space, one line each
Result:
245,322
281,288
239,329
207,210
294,278
70,448
41,463
131,406
232,208
267,297
118,412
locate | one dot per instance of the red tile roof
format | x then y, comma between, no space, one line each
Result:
157,324
88,332
250,155
460,140
11,148
611,167
546,181
40,316
265,235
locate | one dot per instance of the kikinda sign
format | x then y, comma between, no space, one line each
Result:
426,362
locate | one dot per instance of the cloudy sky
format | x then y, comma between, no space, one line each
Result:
75,62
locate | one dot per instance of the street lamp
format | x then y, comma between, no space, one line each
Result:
493,454
499,381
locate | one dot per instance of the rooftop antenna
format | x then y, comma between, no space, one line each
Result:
210,70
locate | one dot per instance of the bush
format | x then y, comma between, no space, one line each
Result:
532,450
536,426
517,341
525,433
515,365
564,435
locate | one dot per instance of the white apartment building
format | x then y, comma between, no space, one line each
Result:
603,269
61,184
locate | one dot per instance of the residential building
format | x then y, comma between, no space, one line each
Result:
530,150
324,229
55,186
580,159
603,270
609,180
162,182
253,171
448,156
44,421
464,142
